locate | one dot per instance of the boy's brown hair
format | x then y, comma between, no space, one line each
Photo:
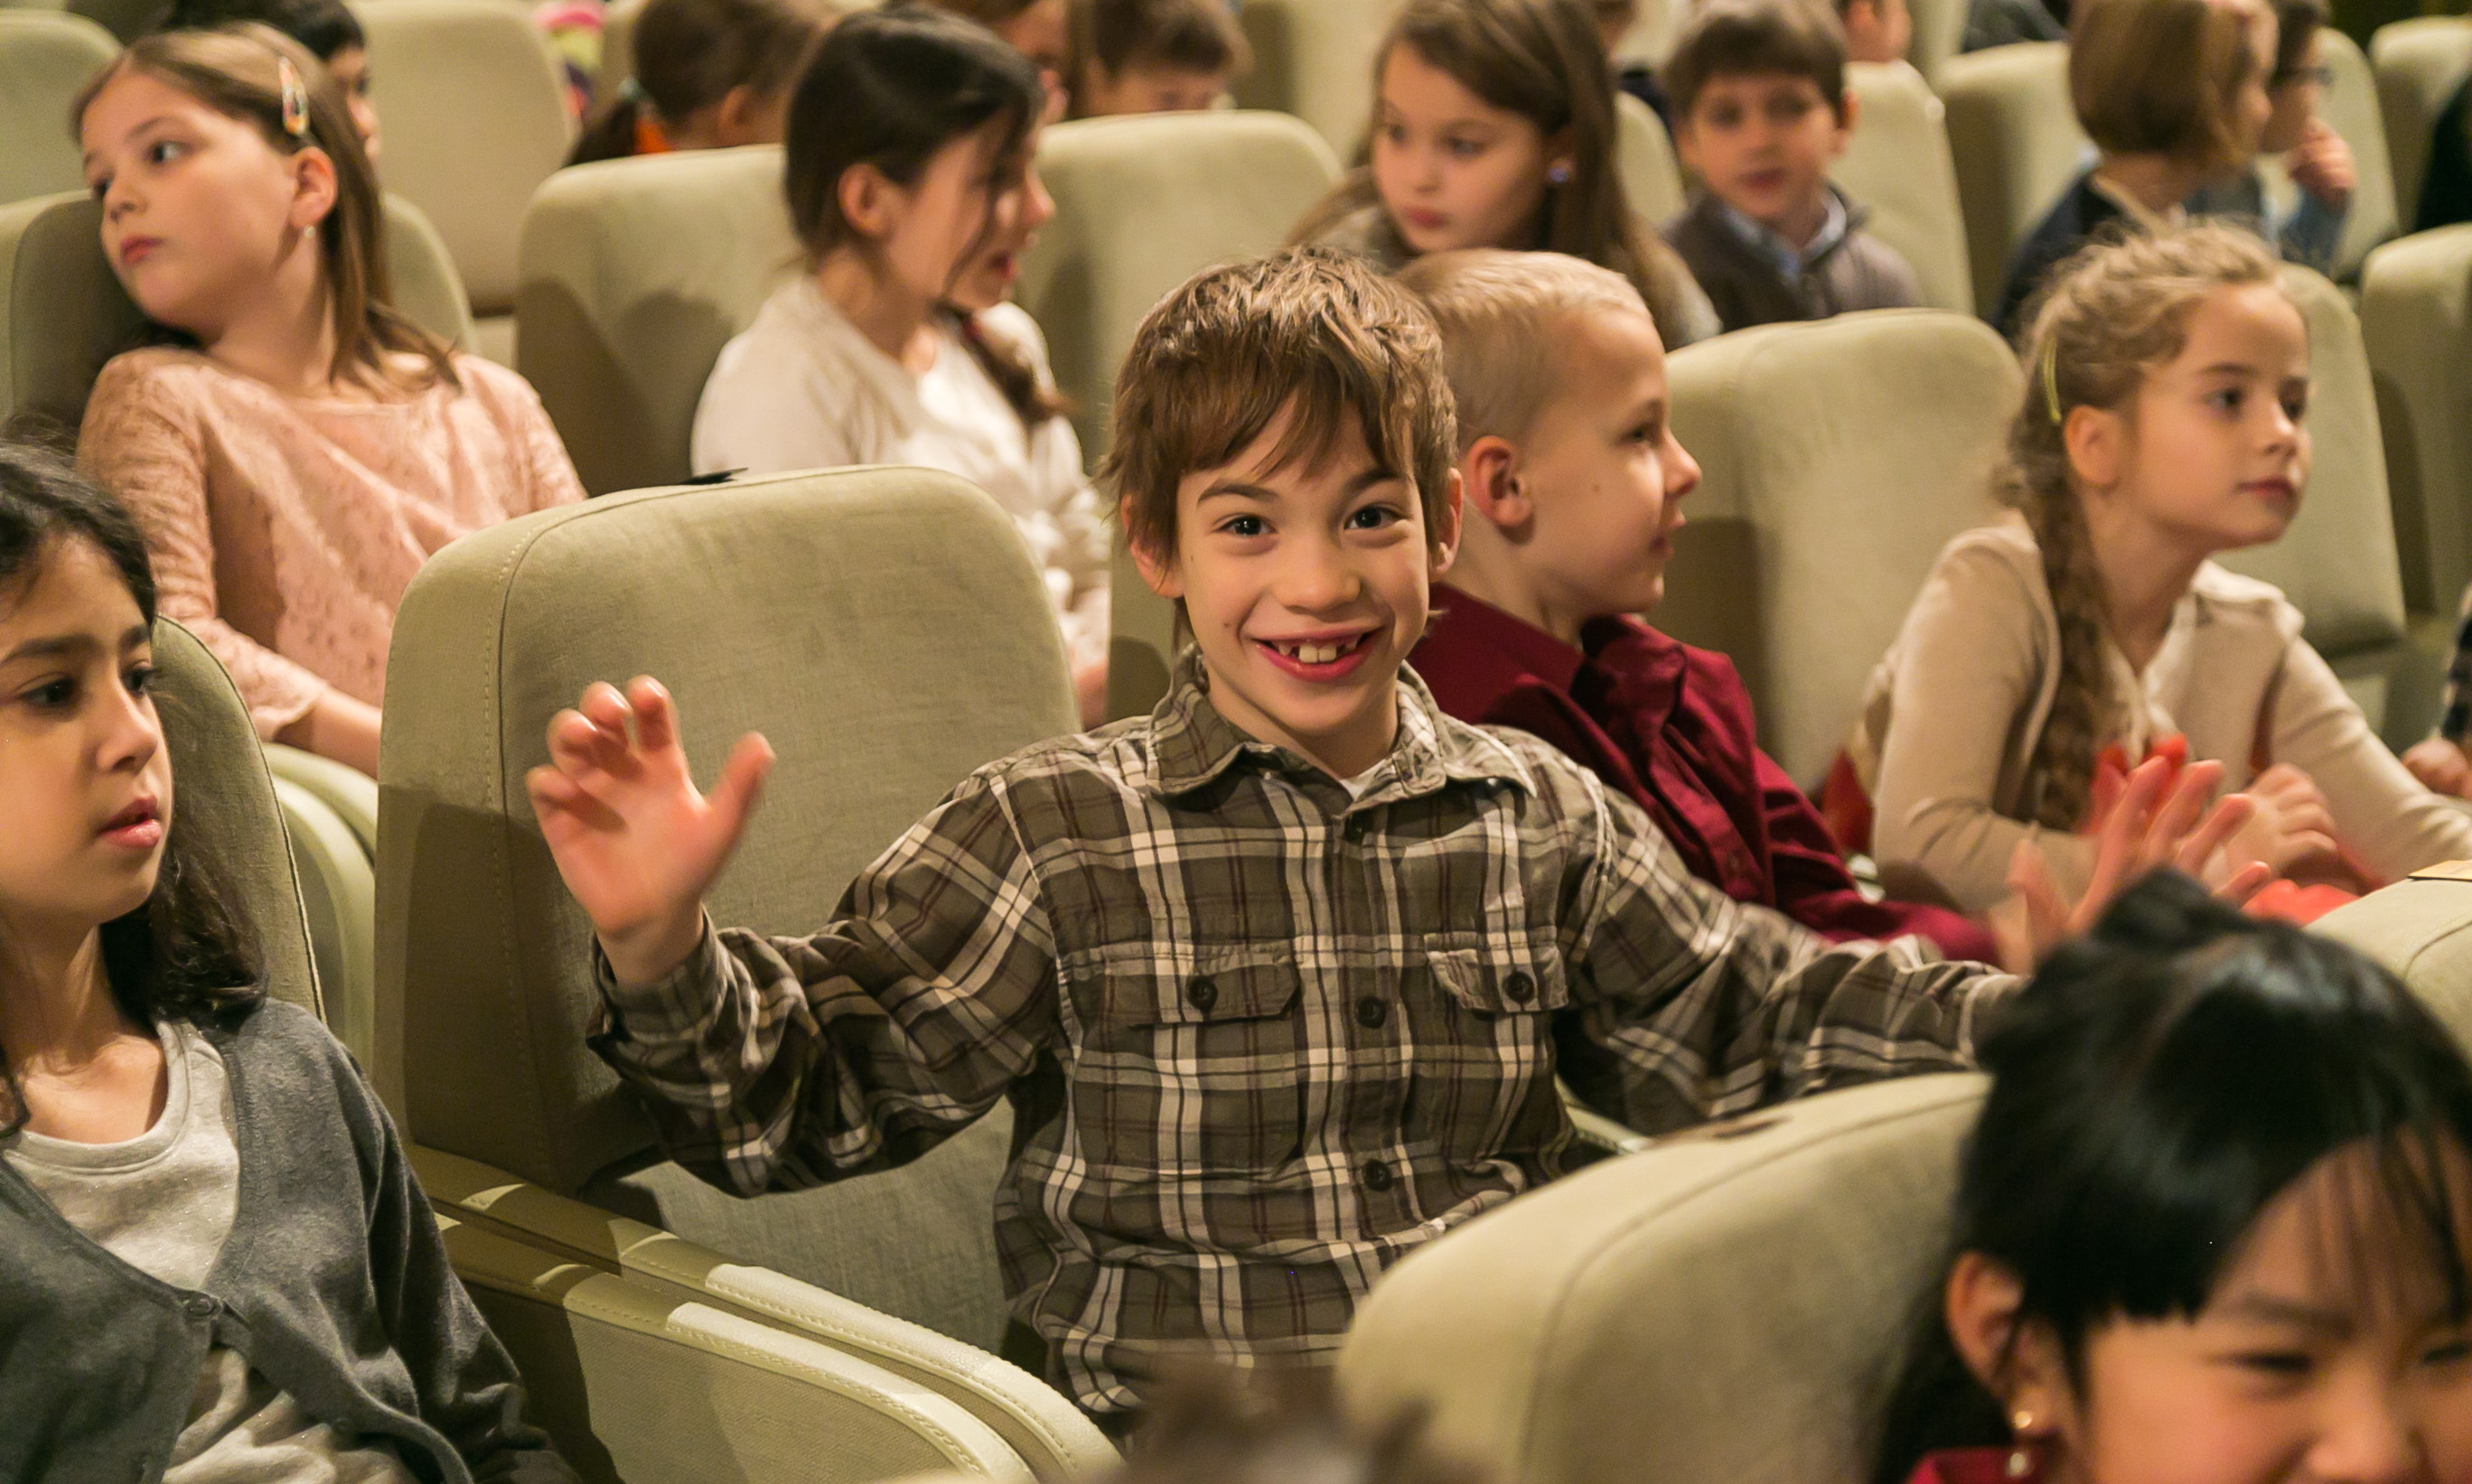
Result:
2161,76
1501,315
1183,35
1225,354
1765,37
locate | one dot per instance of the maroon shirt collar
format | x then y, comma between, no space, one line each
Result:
1490,651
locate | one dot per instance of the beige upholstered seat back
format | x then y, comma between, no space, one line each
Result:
2419,63
1651,176
617,50
221,794
45,58
1840,456
1899,167
1940,30
1730,1305
62,314
475,115
1142,203
2416,317
1315,59
2422,931
634,273
886,630
2016,144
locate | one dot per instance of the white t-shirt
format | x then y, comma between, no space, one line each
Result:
164,1203
801,388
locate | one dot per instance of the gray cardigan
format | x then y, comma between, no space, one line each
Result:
335,1283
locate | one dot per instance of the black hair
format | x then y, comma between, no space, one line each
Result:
889,88
185,954
692,54
325,27
1210,1425
2153,1089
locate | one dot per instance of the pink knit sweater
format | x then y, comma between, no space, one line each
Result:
285,529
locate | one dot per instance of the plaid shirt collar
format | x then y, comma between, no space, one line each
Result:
1192,744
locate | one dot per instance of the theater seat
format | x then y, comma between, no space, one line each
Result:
617,50
62,314
1899,166
632,1380
2416,317
1315,59
1644,153
1734,1302
886,628
476,119
2016,144
1940,30
1839,457
46,58
2419,63
633,275
339,897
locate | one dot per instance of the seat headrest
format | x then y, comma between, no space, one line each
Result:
46,57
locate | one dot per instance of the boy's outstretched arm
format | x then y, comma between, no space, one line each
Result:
786,1062
1695,1007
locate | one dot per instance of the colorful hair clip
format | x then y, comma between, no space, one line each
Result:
2051,369
295,98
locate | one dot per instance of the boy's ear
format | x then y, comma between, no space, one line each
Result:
1158,569
1445,544
1491,488
314,187
1849,112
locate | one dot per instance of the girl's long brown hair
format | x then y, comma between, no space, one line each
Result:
1544,61
237,70
2113,313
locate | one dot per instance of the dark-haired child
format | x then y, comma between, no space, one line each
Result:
914,188
1761,112
1279,977
1153,55
219,1264
709,75
2213,1227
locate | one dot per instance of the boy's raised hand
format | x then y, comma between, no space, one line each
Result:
636,841
2153,821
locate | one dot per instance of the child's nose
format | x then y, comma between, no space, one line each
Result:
1682,471
131,733
1316,578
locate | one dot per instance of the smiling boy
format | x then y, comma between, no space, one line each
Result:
1761,113
1279,977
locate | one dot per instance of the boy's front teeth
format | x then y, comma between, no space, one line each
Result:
1315,653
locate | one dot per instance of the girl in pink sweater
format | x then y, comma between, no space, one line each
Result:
293,446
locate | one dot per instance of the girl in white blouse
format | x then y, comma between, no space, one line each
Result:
911,186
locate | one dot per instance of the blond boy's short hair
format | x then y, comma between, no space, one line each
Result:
1310,332
2163,77
1498,314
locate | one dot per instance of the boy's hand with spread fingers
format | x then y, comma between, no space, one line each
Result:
636,842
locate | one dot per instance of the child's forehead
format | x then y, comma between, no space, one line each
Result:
1761,84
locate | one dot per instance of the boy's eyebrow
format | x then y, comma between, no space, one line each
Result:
1244,489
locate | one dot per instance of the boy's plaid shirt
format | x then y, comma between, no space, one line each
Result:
1262,1039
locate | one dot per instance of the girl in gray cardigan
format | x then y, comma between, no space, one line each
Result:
219,1264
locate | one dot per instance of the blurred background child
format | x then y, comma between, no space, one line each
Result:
710,73
1153,55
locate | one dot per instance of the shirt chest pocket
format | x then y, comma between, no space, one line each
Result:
1484,1085
1192,1059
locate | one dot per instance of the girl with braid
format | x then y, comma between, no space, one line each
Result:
2165,421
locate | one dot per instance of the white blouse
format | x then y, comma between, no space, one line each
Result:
801,388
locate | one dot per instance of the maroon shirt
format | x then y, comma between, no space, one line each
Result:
1668,728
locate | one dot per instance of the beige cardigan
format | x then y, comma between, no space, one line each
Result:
1952,715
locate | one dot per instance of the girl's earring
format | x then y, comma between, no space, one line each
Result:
1559,173
2021,1448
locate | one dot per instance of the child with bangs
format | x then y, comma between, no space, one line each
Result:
2162,1273
1153,55
1279,978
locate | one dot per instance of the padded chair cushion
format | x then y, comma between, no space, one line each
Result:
1898,165
220,793
634,273
1644,153
2016,144
46,58
476,119
2419,63
1315,59
1940,30
2416,319
1839,457
62,312
883,626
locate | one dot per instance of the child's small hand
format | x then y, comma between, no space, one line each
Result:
2153,822
636,841
2321,164
2293,829
2440,767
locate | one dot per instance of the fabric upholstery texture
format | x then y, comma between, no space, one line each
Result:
884,626
62,314
1898,167
633,275
2416,319
45,58
2419,63
339,894
2016,144
1315,59
1838,456
1644,153
1940,30
476,119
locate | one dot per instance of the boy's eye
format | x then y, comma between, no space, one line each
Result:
1648,433
2296,406
2283,1365
2453,1350
1788,109
1245,526
2229,399
1373,517
162,151
1724,115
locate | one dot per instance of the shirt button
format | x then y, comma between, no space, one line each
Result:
1201,994
1371,1013
199,1307
1519,988
1378,1177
